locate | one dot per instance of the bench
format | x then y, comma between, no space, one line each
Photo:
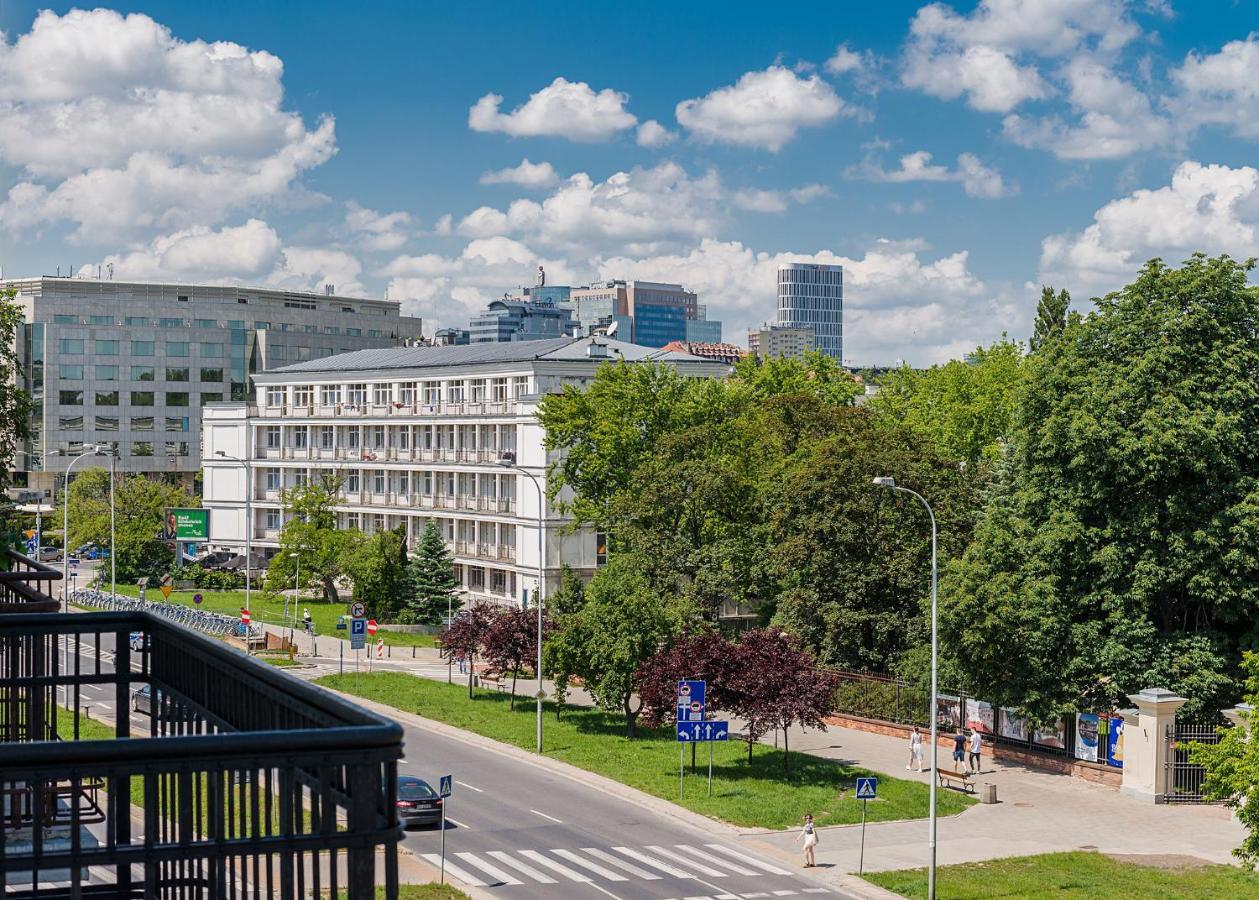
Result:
957,780
493,679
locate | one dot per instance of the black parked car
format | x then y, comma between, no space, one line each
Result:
418,804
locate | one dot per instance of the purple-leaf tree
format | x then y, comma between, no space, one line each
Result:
706,656
511,642
466,635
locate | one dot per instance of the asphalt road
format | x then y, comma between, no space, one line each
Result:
518,831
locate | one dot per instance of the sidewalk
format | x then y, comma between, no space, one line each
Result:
1037,812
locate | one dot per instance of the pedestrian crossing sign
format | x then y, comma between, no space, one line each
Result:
867,788
445,785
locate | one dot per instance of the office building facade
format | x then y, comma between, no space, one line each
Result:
130,365
519,319
412,435
648,313
779,341
812,296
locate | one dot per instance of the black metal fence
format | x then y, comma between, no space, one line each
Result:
241,781
1184,777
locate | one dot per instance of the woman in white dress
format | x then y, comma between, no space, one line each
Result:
808,834
915,750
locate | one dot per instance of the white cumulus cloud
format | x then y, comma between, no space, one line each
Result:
652,134
1221,88
527,174
376,231
567,109
977,179
763,109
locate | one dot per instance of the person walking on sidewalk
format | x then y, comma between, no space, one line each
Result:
976,741
959,750
808,834
915,750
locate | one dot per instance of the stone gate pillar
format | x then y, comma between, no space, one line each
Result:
1144,743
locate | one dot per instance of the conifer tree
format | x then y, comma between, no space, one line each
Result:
434,587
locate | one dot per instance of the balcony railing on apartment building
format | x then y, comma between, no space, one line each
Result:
246,782
377,410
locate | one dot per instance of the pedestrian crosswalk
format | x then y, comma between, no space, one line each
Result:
654,862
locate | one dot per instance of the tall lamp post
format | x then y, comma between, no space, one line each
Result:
65,555
297,589
508,460
249,524
890,483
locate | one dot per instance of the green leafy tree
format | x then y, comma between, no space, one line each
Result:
621,625
311,538
816,374
434,590
966,407
1051,316
140,506
559,661
1232,767
1119,547
379,572
15,409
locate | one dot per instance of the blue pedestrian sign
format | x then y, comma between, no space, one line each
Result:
690,701
698,732
444,788
867,788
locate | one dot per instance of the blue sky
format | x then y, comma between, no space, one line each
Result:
952,156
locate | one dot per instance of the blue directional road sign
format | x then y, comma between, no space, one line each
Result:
867,788
690,701
446,784
698,732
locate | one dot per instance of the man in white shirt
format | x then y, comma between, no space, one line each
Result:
975,743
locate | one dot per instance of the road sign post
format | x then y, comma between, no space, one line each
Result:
690,709
446,786
867,790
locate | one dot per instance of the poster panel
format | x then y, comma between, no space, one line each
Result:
1086,736
1114,743
187,525
1013,726
979,716
1054,735
948,711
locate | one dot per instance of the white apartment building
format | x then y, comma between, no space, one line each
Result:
414,434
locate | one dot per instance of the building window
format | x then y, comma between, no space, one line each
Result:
106,373
211,398
303,353
141,348
356,395
353,483
374,332
176,423
273,479
310,329
176,398
70,423
476,578
106,423
275,396
106,398
300,438
212,375
477,390
325,437
70,373
279,352
176,348
303,395
211,350
101,320
330,395
354,332
262,326
142,448
143,373
137,321
272,518
207,323
141,398
182,298
378,482
171,323
177,374
378,437
454,392
70,346
382,394
404,483
273,437
63,319
70,398
601,548
176,448
499,389
141,423
331,329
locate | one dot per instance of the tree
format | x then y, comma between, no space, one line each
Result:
379,572
1232,767
706,656
1119,548
622,623
965,407
434,589
559,661
310,539
140,506
511,642
15,401
466,635
776,684
1051,316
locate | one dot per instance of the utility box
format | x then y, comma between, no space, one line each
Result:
987,793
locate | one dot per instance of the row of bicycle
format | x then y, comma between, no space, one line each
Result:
211,623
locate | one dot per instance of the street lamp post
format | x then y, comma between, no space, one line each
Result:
65,555
39,511
249,527
508,460
891,484
297,587
113,540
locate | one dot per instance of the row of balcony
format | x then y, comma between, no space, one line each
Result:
468,408
466,502
381,454
462,549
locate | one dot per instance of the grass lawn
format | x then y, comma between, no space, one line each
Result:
1062,876
430,891
272,611
756,796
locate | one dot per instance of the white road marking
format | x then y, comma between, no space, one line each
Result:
545,816
694,864
453,869
488,868
516,864
622,864
654,863
734,867
468,786
587,864
784,893
817,890
554,866
751,861
455,822
757,894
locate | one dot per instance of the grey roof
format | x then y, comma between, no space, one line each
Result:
565,349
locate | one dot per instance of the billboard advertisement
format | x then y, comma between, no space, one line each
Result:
1013,725
1086,736
1052,735
187,525
949,712
979,716
1114,742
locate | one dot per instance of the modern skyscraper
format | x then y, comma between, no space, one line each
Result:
811,295
648,313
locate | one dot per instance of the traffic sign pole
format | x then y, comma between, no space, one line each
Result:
681,768
445,789
710,768
861,859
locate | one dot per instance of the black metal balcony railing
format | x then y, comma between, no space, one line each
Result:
246,783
